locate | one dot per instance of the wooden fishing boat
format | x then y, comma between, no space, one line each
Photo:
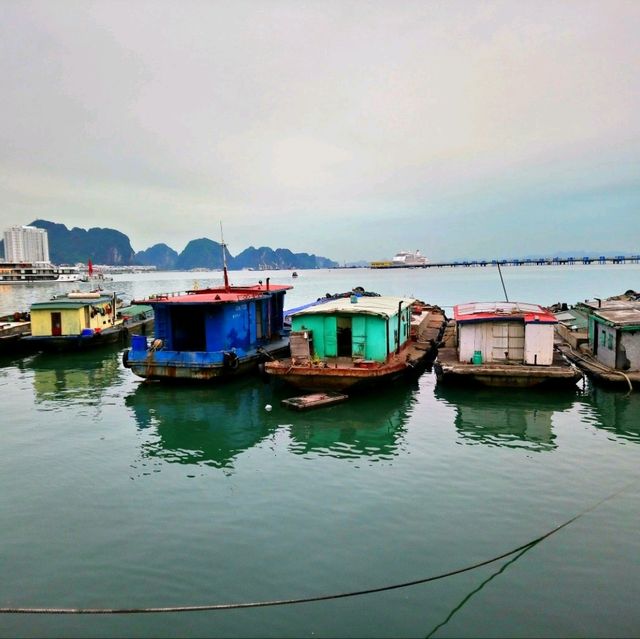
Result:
211,334
13,328
80,320
348,344
602,338
503,344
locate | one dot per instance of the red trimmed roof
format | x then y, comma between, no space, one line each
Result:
217,295
502,311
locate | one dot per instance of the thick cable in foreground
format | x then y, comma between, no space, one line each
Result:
301,600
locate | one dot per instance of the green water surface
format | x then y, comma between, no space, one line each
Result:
119,493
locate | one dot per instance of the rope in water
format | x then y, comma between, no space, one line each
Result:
312,599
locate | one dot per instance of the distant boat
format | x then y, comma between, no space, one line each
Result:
353,343
37,272
294,274
409,258
94,276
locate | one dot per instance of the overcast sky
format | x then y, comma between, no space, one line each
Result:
350,129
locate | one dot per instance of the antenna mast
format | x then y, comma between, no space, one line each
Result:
224,261
506,297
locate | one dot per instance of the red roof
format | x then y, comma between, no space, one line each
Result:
217,295
502,311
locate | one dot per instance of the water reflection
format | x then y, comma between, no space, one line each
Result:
506,417
202,424
75,377
617,412
371,427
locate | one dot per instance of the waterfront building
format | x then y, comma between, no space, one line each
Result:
26,244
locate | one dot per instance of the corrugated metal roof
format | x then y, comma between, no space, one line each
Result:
379,306
216,295
71,303
573,318
494,311
621,317
135,309
611,305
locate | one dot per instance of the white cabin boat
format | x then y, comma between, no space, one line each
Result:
34,272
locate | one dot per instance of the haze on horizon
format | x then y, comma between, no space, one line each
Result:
345,128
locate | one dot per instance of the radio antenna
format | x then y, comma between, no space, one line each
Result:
506,297
224,260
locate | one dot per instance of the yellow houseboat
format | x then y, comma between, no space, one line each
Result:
76,320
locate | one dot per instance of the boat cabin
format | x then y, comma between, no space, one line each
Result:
216,320
75,313
504,332
367,328
614,333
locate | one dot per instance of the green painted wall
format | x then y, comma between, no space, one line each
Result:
315,324
368,334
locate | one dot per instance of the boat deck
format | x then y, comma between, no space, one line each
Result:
505,373
599,372
344,373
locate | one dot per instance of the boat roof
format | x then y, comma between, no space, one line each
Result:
379,306
135,308
573,317
629,316
217,295
70,302
611,305
501,311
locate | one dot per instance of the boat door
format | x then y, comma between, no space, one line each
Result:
358,336
507,341
56,324
344,337
330,337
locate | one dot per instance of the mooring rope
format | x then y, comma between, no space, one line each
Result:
602,367
311,599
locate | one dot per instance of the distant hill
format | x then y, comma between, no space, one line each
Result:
265,257
161,256
108,246
102,246
202,253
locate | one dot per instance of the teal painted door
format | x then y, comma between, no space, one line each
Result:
358,336
330,337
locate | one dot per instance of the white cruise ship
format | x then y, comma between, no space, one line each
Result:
409,258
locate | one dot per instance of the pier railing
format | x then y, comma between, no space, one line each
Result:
542,261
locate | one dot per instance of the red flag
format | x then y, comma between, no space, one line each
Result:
90,265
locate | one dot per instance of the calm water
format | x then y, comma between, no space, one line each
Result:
119,493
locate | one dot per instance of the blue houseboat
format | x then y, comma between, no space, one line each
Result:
211,334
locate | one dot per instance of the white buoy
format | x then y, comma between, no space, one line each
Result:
268,408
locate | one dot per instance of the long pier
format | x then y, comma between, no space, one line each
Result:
542,261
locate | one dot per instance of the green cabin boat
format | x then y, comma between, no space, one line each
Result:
348,343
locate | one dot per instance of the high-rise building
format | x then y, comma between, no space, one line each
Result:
26,244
